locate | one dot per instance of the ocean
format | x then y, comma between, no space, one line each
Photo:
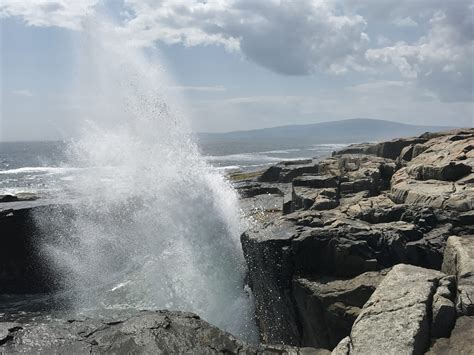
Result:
42,168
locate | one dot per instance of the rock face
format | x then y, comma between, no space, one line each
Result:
328,307
22,267
361,211
459,261
142,332
396,319
440,176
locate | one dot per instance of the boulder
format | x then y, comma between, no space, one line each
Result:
459,261
396,318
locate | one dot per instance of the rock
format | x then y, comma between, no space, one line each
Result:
439,175
359,172
317,199
137,332
287,171
22,196
316,181
444,311
461,341
433,193
22,267
395,319
459,261
255,189
270,266
328,307
390,149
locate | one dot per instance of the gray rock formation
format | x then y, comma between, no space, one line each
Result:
138,332
394,202
328,307
396,319
459,261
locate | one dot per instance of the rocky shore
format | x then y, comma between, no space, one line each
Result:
371,250
368,251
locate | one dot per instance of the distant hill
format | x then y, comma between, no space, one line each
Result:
344,131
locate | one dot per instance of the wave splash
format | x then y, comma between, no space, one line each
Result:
157,228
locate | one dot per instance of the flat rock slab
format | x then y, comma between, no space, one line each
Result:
459,261
395,320
134,332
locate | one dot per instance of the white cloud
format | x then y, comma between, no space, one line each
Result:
44,13
23,93
441,60
288,37
433,45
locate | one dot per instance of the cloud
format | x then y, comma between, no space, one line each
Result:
45,13
23,93
405,22
425,42
441,60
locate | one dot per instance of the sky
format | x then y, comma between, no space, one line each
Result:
242,64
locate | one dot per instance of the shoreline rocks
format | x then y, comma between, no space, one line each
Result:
367,208
370,250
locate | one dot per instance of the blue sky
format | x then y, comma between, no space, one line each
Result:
241,64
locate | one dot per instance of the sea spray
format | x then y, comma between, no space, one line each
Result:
152,225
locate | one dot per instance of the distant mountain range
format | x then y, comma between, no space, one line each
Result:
344,131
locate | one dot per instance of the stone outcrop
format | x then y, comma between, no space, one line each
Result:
328,306
459,261
22,265
363,210
287,171
139,332
396,318
441,175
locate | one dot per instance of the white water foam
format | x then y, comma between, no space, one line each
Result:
158,228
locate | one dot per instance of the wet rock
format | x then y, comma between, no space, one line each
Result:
139,332
328,307
22,267
459,261
396,320
268,255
